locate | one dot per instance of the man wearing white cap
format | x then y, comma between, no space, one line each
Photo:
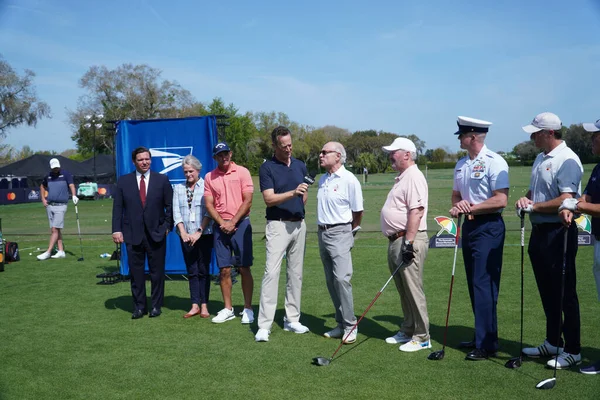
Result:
404,223
56,185
556,176
481,192
589,203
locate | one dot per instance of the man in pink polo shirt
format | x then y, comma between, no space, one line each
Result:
228,195
404,223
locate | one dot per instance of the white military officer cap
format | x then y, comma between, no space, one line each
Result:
592,127
472,125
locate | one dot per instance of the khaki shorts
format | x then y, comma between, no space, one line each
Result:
56,215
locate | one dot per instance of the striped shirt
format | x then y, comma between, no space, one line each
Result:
182,210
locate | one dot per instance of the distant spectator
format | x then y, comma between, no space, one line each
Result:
57,183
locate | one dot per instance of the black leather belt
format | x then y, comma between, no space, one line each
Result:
472,217
326,226
396,236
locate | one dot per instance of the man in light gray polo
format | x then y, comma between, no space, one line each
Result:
339,212
56,184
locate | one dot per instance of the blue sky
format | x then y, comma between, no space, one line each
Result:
408,67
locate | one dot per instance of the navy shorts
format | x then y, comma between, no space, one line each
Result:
234,250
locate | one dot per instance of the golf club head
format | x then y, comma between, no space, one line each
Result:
436,355
546,384
80,259
513,363
321,361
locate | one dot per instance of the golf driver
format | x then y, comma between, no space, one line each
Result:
79,232
322,361
551,382
517,361
439,355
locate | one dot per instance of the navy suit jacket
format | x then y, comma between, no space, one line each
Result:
130,218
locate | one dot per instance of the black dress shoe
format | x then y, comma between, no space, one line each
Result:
138,314
155,312
479,355
467,345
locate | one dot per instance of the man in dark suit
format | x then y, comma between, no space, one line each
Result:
142,218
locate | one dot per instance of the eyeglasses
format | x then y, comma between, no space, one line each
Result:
325,152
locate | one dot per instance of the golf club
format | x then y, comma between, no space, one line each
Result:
551,382
79,232
439,355
517,361
322,361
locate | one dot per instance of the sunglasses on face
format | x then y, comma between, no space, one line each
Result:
325,152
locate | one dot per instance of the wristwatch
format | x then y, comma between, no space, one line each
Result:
200,230
408,241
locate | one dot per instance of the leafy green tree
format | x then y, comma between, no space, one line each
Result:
526,151
19,103
126,92
580,141
439,155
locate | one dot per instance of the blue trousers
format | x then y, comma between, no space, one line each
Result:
197,262
482,247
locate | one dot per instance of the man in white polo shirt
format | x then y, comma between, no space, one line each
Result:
339,212
556,176
404,223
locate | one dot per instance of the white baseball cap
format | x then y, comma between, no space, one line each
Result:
400,143
471,125
54,163
544,121
592,127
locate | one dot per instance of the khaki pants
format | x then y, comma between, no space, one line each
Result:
283,238
409,282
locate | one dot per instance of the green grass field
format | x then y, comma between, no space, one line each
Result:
63,336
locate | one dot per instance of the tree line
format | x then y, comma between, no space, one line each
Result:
138,92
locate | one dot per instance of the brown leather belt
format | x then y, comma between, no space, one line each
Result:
396,236
326,227
472,217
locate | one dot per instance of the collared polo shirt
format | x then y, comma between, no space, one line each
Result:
477,179
58,186
552,174
338,196
409,192
592,189
226,188
280,177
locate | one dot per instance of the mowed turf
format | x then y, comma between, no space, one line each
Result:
63,336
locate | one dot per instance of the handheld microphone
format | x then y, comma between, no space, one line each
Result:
309,178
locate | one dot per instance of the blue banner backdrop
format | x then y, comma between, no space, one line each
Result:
169,141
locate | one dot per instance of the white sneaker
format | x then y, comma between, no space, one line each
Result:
59,254
335,333
262,335
247,316
223,316
413,345
351,338
295,327
545,350
398,338
565,360
44,256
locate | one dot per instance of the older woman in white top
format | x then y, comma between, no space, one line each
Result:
194,227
